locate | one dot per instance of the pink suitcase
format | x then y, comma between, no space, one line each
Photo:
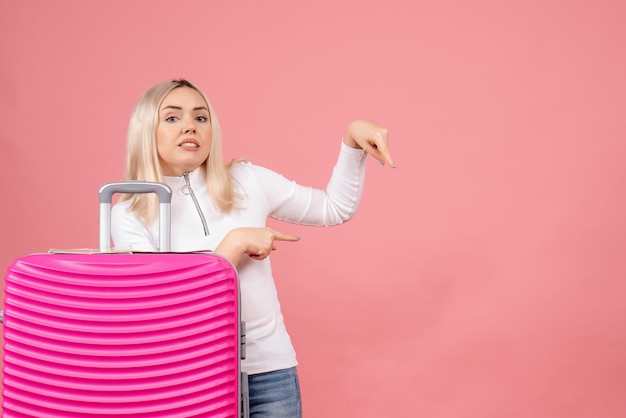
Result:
123,335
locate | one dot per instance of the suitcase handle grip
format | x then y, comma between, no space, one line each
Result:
107,191
164,194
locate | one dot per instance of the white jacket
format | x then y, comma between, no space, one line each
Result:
268,346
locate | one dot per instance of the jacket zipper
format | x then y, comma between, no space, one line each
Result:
188,190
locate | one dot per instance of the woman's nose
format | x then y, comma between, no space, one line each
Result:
189,127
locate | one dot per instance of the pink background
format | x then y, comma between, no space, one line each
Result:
484,277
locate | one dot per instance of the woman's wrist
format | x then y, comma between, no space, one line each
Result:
350,142
348,139
230,247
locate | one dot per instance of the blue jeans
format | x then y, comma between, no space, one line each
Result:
275,394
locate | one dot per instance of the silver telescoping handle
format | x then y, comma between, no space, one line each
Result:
164,194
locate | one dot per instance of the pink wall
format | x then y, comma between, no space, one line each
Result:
484,277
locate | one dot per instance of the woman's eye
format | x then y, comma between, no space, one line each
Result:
171,119
201,118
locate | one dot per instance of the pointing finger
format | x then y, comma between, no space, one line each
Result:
381,153
279,236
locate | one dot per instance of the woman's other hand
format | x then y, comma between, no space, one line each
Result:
370,137
257,243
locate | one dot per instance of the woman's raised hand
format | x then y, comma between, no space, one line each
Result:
370,137
257,243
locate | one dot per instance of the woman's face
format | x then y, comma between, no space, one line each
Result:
184,131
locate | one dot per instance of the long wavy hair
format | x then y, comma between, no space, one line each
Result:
142,158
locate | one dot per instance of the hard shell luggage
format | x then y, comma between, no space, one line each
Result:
123,334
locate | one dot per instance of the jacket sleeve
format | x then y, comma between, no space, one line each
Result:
291,202
129,232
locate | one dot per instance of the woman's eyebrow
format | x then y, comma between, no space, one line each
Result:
171,108
180,108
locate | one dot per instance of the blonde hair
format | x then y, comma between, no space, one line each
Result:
142,159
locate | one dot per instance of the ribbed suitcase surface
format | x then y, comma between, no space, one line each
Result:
121,335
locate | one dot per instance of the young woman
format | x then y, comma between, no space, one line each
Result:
174,138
